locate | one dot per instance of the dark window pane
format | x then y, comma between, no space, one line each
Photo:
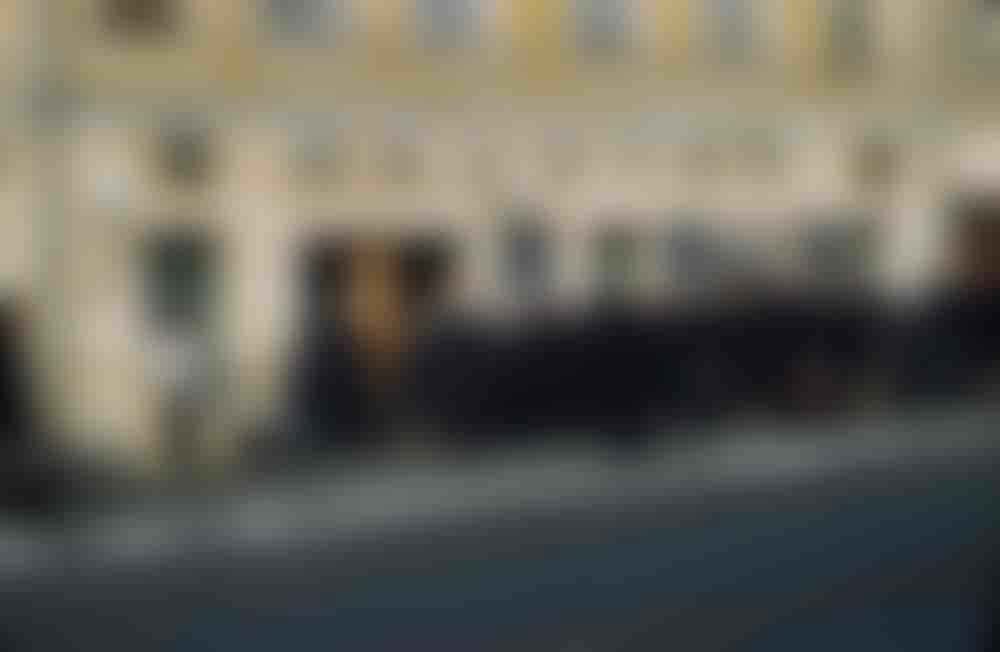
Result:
528,258
735,30
694,257
447,24
617,260
180,268
305,20
839,252
602,26
850,46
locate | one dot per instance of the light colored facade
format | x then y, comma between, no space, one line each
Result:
744,114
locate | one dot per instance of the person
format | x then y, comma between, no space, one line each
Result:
32,480
18,416
352,381
952,345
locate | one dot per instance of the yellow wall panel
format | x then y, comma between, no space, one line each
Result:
673,30
538,26
386,21
803,36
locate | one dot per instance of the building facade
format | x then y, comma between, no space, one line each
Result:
252,126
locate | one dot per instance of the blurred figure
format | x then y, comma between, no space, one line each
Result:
31,482
18,417
181,281
952,348
369,311
329,404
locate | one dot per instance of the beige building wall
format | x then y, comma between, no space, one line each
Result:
518,122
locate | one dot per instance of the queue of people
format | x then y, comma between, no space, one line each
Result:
384,353
375,362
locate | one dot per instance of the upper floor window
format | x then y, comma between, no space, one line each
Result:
981,41
527,256
990,6
447,24
141,19
733,30
602,26
306,21
180,270
850,43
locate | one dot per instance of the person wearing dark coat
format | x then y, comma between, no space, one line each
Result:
951,345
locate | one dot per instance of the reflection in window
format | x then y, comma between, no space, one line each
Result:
602,26
447,24
146,19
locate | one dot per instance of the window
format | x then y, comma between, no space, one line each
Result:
602,26
617,261
312,21
839,251
734,30
180,274
141,19
447,24
850,47
980,41
527,257
185,151
694,257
